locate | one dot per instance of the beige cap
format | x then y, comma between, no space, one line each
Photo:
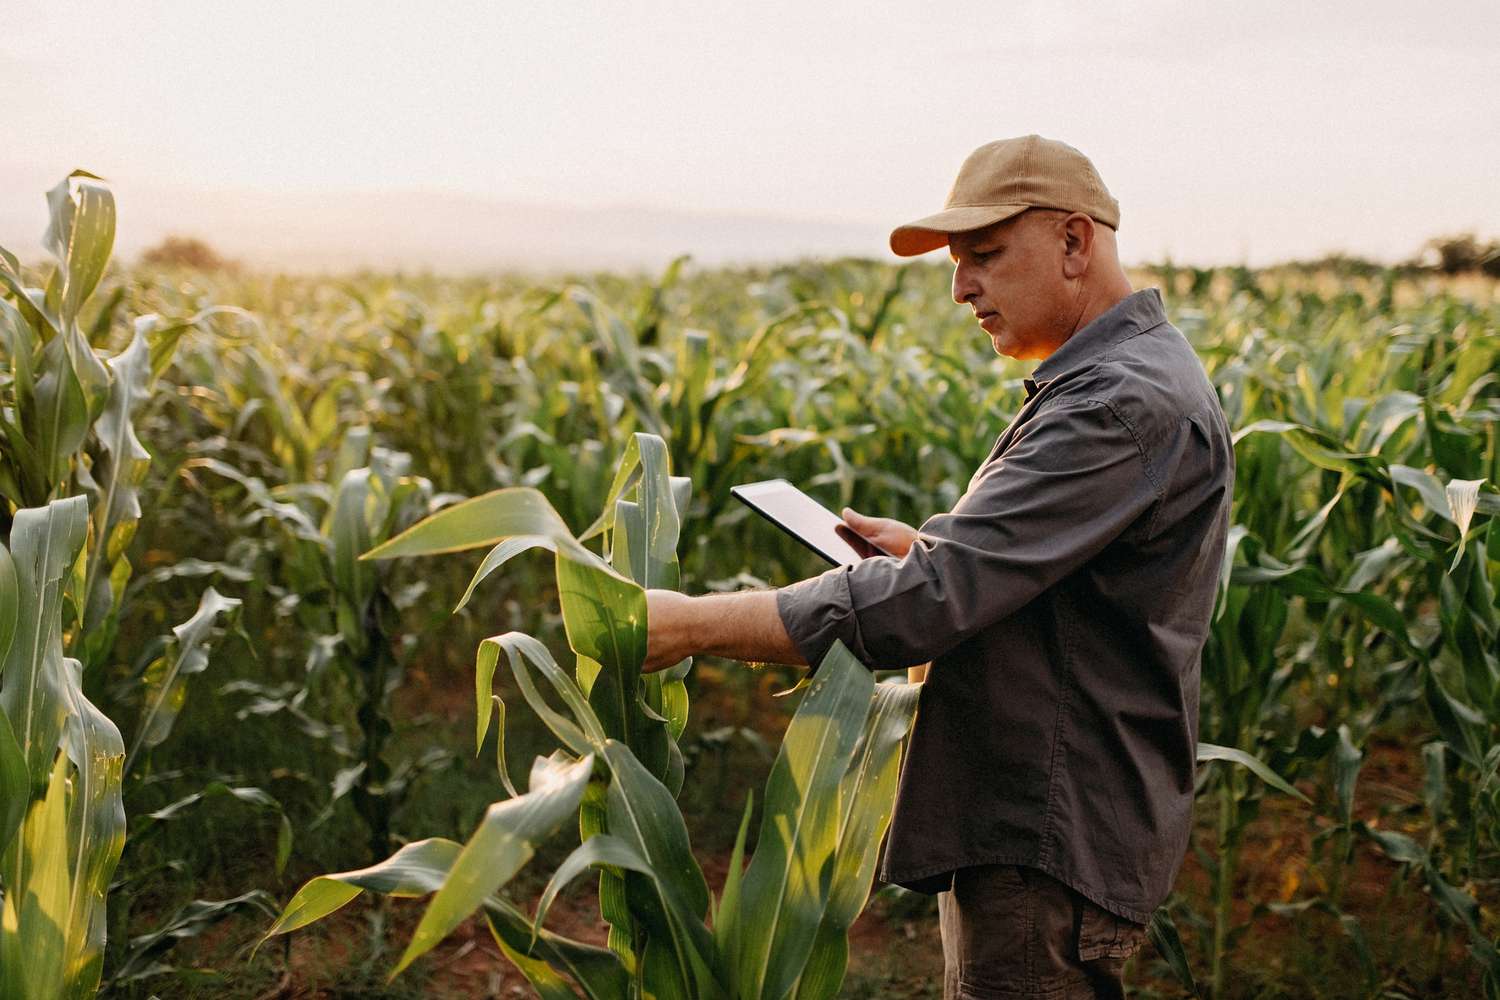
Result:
1005,178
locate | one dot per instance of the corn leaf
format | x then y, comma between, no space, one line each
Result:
96,829
866,794
15,783
81,235
597,971
166,677
506,839
1211,752
785,890
416,870
643,814
582,736
10,603
34,912
499,556
45,542
116,478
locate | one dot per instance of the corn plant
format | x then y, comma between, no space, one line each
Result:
351,607
71,409
63,822
70,475
1364,493
779,927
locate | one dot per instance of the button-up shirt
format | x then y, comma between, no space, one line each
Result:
1064,603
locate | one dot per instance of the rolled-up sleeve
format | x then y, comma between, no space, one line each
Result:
1072,480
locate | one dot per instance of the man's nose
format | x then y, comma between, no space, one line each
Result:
963,284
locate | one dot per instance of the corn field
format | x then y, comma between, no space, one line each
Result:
275,636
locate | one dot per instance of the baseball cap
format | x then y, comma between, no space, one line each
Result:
1005,178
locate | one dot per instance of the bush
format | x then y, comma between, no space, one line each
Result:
188,252
1464,252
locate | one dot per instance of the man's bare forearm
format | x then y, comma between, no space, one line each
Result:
741,626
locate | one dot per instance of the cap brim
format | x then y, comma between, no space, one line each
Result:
932,232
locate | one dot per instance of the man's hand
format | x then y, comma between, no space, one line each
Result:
888,533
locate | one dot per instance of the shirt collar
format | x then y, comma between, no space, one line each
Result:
1135,313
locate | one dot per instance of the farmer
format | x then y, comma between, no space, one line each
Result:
1063,603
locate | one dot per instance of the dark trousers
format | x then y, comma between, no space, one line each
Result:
1011,931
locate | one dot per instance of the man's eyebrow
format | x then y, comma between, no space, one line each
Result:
987,245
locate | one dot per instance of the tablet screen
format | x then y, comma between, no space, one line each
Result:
800,516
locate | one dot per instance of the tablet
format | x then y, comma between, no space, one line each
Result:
802,517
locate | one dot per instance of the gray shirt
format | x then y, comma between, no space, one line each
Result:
1064,603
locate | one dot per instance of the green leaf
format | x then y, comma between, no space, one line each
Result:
729,899
1434,496
1163,934
597,971
582,737
506,839
30,302
649,555
355,504
488,520
548,982
116,476
600,849
627,474
866,796
499,556
61,422
786,887
1460,726
81,235
45,542
643,813
15,784
191,920
96,829
250,795
1211,752
1456,903
416,870
1315,446
166,677
35,910
10,602
604,613
1346,762
500,764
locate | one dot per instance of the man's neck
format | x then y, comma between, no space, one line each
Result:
1098,301
1092,303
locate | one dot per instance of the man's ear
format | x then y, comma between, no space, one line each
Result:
1078,244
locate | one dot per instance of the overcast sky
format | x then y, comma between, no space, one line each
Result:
1228,132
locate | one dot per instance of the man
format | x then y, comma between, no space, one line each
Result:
1047,790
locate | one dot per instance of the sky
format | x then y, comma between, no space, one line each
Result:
471,134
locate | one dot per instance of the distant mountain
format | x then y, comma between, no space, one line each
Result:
411,230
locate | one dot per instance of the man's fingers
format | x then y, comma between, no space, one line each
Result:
856,541
863,523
